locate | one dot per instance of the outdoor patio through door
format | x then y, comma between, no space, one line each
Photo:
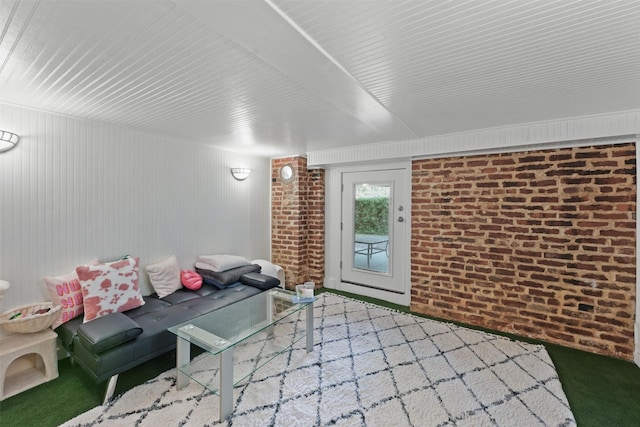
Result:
373,222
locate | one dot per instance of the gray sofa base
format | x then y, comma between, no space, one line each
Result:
154,317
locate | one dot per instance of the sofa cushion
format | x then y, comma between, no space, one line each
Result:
222,298
178,297
151,303
205,290
107,332
260,281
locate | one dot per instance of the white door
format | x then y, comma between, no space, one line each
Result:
374,222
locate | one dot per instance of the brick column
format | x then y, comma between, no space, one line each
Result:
289,220
297,230
316,231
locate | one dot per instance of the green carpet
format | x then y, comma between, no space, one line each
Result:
602,391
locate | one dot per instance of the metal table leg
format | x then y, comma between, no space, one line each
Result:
309,331
183,357
226,383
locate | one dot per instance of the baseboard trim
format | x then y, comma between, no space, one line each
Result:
636,348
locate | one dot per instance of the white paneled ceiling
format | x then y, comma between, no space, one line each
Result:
287,76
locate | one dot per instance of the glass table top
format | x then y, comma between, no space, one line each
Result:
230,325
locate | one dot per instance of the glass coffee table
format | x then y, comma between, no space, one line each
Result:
240,338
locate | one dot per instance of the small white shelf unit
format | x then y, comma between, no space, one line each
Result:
27,360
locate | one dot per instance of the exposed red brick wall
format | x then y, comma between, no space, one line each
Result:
289,221
540,244
316,232
297,230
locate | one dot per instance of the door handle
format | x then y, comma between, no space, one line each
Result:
400,219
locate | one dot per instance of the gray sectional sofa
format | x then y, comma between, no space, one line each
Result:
115,343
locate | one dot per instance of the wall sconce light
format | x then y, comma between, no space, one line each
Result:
4,285
8,140
240,173
287,174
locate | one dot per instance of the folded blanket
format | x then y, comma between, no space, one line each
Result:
225,278
220,263
204,266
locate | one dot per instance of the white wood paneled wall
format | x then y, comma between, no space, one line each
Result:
75,190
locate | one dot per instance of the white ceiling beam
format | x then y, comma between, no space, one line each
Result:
261,29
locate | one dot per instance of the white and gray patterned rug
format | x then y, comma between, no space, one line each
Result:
371,366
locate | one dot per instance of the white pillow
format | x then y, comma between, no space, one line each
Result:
165,276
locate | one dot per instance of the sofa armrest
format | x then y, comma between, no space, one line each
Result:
107,332
280,275
271,269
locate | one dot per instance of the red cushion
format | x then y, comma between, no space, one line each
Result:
191,280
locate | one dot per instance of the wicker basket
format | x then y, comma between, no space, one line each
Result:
29,321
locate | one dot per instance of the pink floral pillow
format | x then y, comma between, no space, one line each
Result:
110,287
65,291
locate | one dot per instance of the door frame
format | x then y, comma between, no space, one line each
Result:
333,244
